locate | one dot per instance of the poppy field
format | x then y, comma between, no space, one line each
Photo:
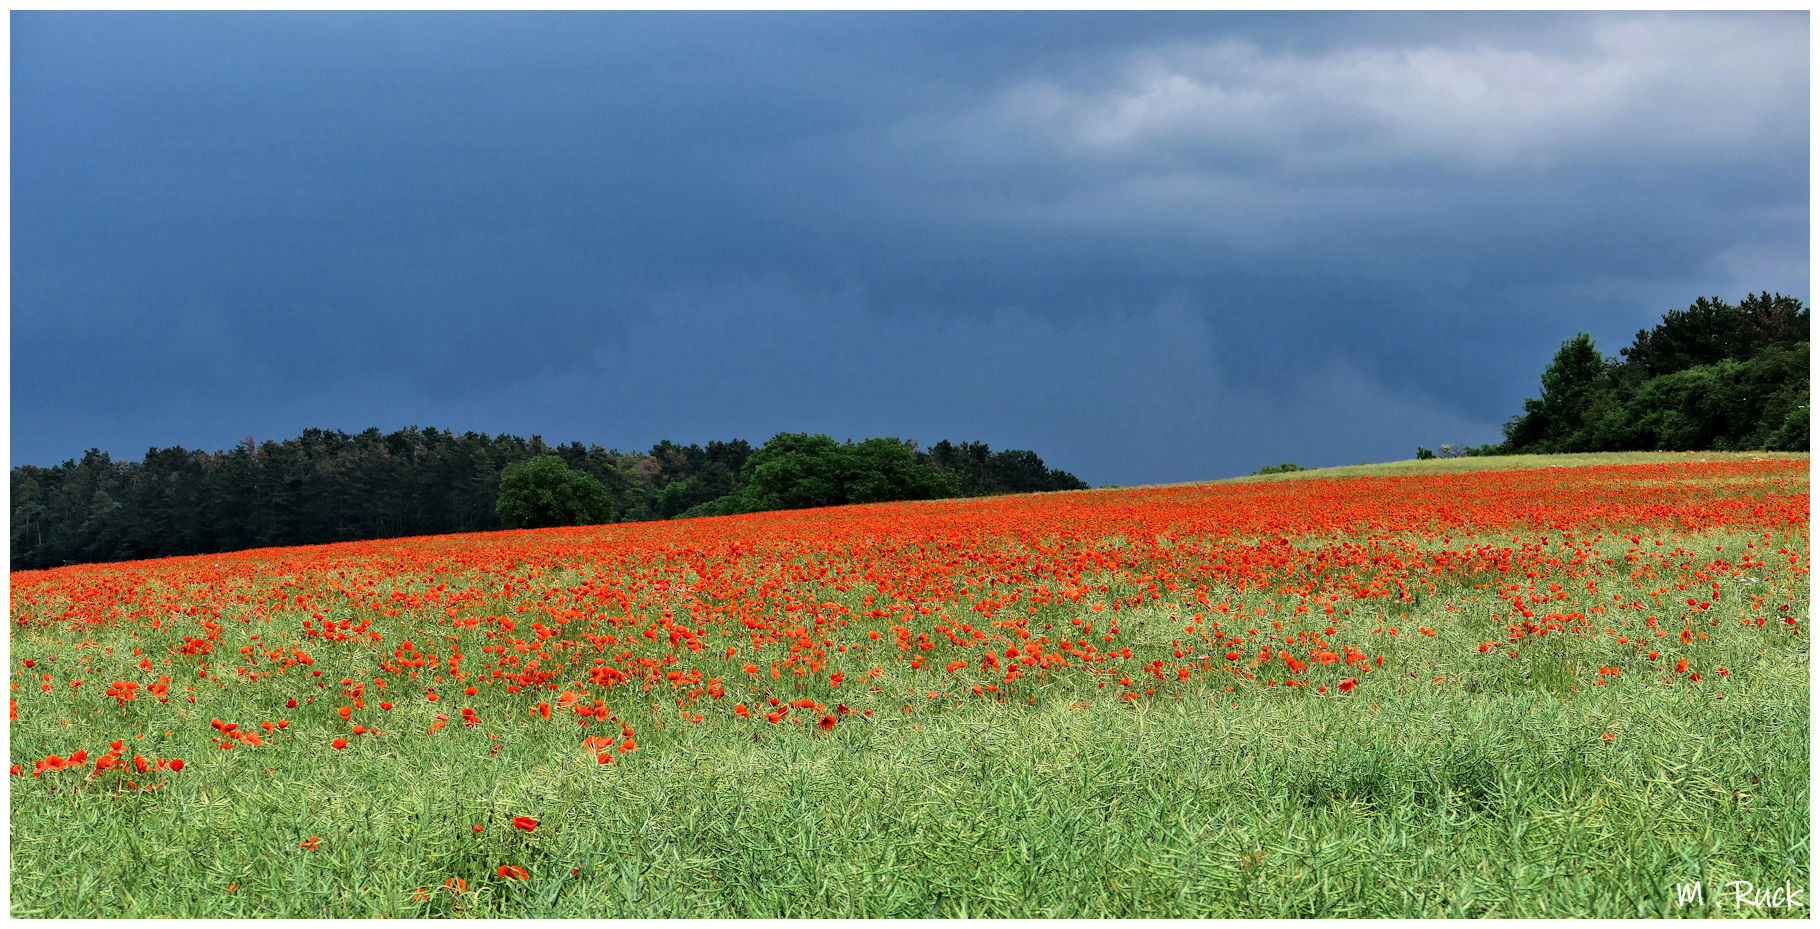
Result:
1504,688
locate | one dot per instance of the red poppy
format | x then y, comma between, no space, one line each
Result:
524,822
827,723
514,872
1349,683
340,743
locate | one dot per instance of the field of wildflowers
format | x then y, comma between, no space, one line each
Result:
1517,692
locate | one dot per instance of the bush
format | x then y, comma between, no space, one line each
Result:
728,505
793,471
887,469
544,492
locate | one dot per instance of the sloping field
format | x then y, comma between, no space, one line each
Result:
1543,691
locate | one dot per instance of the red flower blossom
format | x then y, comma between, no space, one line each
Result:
677,609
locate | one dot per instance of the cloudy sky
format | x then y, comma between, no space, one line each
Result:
1152,248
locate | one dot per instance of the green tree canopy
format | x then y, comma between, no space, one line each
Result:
1771,321
796,471
793,471
977,470
329,486
1572,384
887,469
544,491
1712,376
1711,330
1705,333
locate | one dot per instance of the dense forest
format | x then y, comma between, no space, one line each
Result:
1715,376
331,487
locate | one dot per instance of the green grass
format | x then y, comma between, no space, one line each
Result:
1429,802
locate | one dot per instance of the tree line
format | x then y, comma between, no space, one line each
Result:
1716,376
329,486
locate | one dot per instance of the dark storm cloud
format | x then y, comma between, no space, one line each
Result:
1153,248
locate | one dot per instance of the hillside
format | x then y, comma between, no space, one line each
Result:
1406,692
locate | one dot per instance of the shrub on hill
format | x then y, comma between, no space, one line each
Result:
797,471
544,492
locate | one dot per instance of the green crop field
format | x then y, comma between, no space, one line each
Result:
1474,687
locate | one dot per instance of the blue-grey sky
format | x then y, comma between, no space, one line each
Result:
1152,248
